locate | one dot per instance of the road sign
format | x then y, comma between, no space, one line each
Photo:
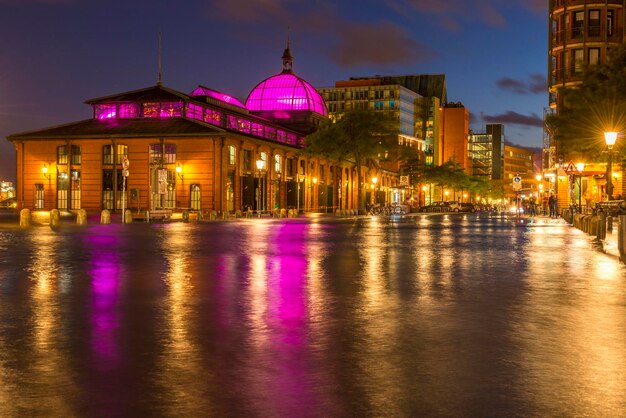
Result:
517,183
571,168
404,180
125,163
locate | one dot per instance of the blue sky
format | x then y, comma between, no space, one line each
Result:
55,54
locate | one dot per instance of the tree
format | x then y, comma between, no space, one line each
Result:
359,137
596,105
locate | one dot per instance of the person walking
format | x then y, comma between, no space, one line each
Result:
552,204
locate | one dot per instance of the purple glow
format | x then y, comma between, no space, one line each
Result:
202,91
112,111
285,92
163,109
105,111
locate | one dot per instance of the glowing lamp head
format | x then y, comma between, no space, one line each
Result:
610,138
374,180
260,164
580,167
314,180
179,169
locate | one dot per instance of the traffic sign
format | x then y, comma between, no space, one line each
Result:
517,183
571,168
125,163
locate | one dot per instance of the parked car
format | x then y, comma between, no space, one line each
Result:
436,207
8,203
454,206
468,207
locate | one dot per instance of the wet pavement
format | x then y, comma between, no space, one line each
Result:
448,315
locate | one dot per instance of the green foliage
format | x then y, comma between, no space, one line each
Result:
597,105
358,138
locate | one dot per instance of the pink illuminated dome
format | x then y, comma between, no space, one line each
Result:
284,93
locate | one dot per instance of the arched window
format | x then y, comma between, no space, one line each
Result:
278,163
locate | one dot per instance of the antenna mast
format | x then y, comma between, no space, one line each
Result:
160,47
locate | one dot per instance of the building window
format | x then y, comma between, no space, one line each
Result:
107,155
577,26
195,196
594,56
578,60
129,110
156,155
594,23
162,109
610,22
278,163
194,111
39,196
122,152
62,155
105,111
232,155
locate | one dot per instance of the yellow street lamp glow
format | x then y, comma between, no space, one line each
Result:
374,180
44,170
538,177
580,167
372,186
424,188
610,138
446,192
314,180
260,164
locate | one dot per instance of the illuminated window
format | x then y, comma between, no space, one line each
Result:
232,155
162,109
129,110
157,156
105,111
578,60
213,117
278,163
122,151
594,23
62,154
257,129
194,111
610,22
594,56
577,27
195,196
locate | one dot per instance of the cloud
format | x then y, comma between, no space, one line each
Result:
452,12
514,118
380,44
351,43
536,85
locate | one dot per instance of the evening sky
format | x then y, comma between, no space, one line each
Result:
55,54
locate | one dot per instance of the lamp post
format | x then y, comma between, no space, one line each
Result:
374,181
298,180
260,165
580,167
313,193
610,138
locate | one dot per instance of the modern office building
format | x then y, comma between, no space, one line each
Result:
486,152
518,161
160,148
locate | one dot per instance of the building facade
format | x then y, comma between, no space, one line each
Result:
205,151
486,152
454,135
581,33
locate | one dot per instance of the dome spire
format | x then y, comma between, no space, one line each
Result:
287,58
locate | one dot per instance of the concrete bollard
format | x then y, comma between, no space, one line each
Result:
283,213
621,238
276,213
609,223
81,217
238,214
213,215
185,216
601,232
25,218
593,225
128,216
55,218
105,217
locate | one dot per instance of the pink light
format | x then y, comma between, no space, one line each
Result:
285,92
202,91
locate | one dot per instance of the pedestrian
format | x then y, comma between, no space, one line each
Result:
532,206
552,204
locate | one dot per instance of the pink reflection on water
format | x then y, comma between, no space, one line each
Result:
105,273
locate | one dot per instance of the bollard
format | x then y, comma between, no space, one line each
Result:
601,233
105,217
283,213
238,214
55,218
128,216
81,217
185,216
593,225
276,213
621,236
25,218
213,215
609,223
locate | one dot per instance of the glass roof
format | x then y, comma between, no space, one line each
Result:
285,91
202,91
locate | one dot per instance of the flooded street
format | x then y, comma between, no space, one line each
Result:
431,316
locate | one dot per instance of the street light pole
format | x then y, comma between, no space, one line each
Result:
610,138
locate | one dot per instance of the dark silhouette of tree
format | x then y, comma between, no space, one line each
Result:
358,138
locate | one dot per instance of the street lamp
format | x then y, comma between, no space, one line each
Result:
299,180
44,170
260,165
424,188
610,138
179,171
580,167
